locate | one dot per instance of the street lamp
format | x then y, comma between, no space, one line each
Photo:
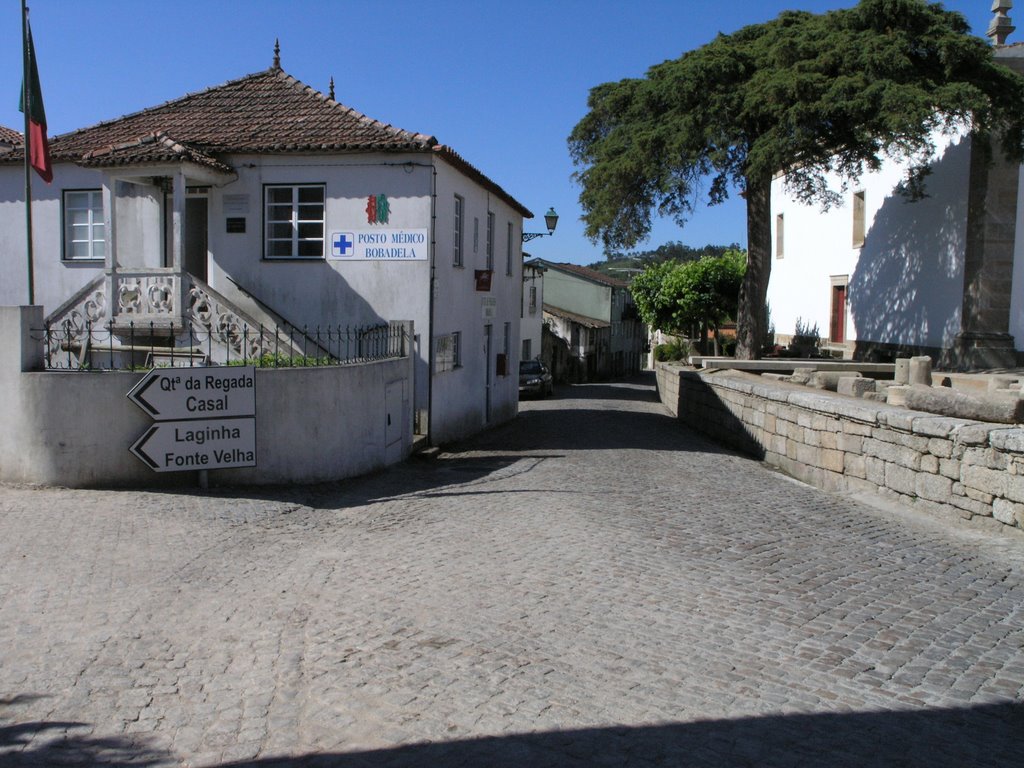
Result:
550,219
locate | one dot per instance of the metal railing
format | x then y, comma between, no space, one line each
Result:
138,346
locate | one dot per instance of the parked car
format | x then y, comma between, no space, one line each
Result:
534,378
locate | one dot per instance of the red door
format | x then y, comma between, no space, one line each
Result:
837,328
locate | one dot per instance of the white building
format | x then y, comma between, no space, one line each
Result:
532,312
263,201
880,276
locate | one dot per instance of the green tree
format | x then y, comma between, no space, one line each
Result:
804,94
675,297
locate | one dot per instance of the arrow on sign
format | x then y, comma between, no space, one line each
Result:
202,393
174,446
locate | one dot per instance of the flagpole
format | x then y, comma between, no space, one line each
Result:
25,143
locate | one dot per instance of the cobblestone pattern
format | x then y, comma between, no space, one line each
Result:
939,464
591,584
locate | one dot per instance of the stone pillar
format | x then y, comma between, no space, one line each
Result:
984,340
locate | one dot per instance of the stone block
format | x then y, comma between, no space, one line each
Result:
1007,439
941,448
1014,490
1007,512
930,464
831,460
897,395
849,443
973,434
900,479
933,487
901,372
855,466
920,371
828,380
950,468
991,482
874,470
946,402
855,386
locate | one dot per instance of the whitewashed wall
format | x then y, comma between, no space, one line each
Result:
906,281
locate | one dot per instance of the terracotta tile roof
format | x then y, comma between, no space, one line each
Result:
269,111
586,273
10,137
154,148
586,322
266,112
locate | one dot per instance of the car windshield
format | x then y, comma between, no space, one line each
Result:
531,366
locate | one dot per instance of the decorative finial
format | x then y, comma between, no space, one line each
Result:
330,93
1001,25
277,53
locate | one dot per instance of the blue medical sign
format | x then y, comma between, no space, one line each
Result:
343,245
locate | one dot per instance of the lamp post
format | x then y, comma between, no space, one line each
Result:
550,219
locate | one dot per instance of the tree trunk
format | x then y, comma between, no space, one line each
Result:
750,329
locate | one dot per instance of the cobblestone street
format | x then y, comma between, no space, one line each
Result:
590,584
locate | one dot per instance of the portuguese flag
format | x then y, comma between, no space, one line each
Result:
38,148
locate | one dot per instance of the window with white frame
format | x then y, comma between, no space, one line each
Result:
294,216
84,233
490,241
527,349
457,233
508,249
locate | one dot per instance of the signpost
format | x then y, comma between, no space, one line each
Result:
205,418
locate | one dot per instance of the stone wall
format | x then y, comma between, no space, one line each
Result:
936,463
74,429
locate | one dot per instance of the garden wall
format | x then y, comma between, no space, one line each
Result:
936,463
74,429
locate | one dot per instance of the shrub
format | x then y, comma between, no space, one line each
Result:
806,339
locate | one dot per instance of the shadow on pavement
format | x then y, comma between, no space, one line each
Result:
989,735
46,744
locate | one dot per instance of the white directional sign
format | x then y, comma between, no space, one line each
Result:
174,446
196,393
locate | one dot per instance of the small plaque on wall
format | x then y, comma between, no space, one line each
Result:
236,224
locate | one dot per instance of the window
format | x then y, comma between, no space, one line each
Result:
780,233
294,216
508,339
447,352
533,299
490,241
508,249
527,349
457,234
84,233
858,219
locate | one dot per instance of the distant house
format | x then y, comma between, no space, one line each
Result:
261,202
881,277
532,312
9,139
597,333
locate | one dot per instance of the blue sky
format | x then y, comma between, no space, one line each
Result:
503,82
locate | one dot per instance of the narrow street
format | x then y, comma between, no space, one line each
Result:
591,584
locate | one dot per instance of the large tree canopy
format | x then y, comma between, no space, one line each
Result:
803,94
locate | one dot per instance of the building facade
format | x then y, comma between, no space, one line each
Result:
880,276
593,321
265,202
